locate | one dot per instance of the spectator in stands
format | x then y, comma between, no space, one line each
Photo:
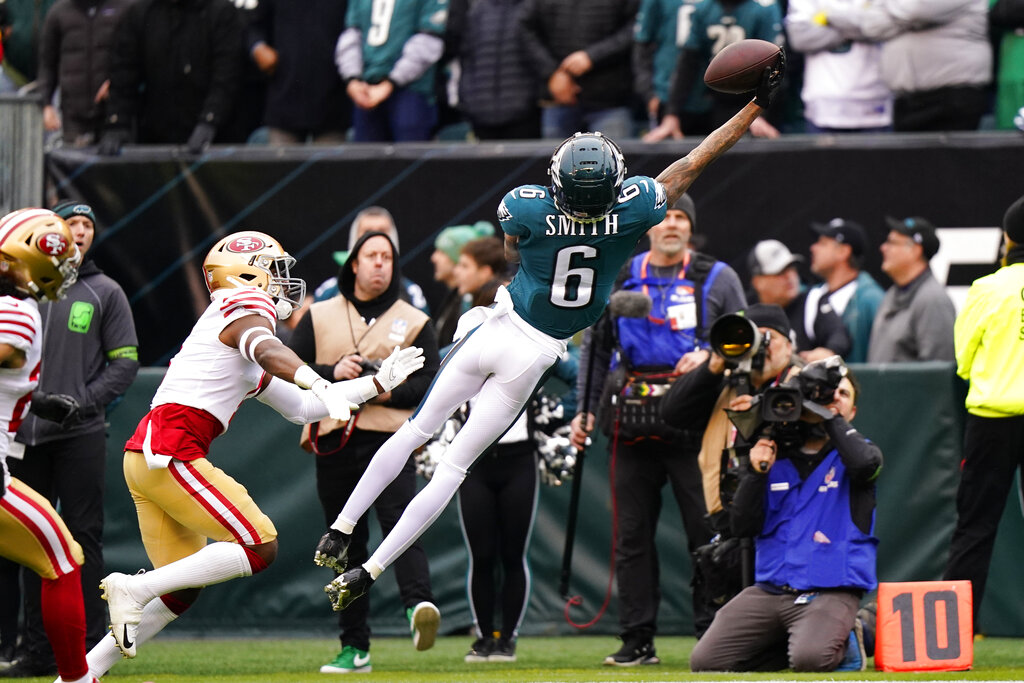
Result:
247,114
687,291
388,66
915,320
293,44
843,91
662,27
174,91
497,83
21,38
447,246
1006,19
341,338
6,84
74,55
936,58
714,25
801,612
851,292
582,52
988,356
372,219
90,354
480,261
774,279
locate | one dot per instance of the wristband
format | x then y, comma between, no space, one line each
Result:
306,377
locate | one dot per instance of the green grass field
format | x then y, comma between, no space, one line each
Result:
562,658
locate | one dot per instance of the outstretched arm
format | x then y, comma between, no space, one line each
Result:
678,177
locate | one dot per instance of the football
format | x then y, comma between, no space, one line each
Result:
738,67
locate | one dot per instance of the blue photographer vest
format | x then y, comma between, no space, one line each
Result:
809,539
671,329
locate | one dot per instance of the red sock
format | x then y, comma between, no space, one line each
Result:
257,563
64,621
175,605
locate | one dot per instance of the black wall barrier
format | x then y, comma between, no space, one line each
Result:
161,210
913,411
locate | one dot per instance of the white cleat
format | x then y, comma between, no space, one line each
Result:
125,611
425,621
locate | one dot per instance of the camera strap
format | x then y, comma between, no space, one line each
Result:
314,436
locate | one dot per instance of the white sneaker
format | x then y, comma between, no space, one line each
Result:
424,621
125,611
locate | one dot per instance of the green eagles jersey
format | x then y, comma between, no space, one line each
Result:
712,28
386,25
666,23
567,268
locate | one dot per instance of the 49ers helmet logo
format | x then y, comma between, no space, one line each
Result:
245,244
52,243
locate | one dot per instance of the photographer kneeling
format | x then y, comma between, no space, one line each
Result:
808,498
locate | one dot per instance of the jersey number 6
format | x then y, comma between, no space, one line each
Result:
573,287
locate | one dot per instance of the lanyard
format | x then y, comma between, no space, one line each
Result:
681,275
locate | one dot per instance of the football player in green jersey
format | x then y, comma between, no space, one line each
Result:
570,240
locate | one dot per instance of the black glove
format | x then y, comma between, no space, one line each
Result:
59,408
771,79
332,550
202,136
112,141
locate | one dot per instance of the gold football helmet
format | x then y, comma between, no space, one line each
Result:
38,253
255,259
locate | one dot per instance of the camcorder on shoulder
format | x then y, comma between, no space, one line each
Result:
777,412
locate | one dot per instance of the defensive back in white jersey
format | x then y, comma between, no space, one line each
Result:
19,326
206,373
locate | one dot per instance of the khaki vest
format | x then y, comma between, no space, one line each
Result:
716,439
338,329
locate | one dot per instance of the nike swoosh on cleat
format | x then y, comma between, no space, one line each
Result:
127,643
361,661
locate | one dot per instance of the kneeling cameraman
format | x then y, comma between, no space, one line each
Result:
808,498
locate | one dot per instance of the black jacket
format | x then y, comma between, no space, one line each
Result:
75,51
553,29
305,93
177,63
498,84
89,352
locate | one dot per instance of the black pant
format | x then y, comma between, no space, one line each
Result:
497,506
70,473
993,449
641,470
954,108
336,478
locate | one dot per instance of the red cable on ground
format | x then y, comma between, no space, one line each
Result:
576,599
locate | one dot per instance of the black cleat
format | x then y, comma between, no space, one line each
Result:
332,550
348,587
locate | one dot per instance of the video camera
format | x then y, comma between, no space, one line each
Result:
776,411
743,346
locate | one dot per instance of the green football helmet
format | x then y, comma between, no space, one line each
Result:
586,172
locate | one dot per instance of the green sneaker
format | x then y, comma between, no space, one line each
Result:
349,661
424,620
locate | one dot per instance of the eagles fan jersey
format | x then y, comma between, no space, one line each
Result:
666,23
567,268
386,25
713,28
